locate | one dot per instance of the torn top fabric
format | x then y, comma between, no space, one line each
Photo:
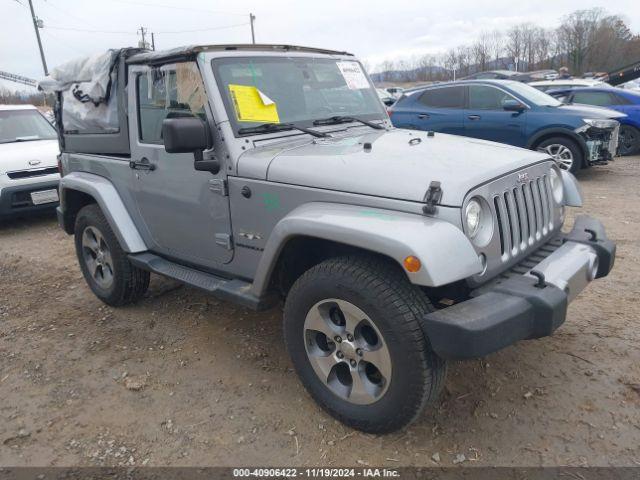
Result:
87,87
91,75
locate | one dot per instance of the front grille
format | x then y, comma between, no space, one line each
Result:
524,215
527,263
40,172
21,200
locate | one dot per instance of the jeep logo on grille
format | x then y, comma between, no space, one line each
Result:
523,177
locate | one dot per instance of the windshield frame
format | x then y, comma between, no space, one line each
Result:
27,138
522,91
307,123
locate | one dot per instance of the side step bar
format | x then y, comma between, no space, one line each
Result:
237,291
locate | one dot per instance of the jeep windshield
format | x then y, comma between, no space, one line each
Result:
295,91
24,126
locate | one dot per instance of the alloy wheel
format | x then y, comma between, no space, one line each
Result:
560,153
97,257
629,140
347,351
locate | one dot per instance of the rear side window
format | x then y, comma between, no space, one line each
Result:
446,97
483,97
168,92
593,98
620,100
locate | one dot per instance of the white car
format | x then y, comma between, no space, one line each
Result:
545,85
29,173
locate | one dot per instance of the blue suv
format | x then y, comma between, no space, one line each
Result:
515,113
625,101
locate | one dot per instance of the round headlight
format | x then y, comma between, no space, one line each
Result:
473,217
556,186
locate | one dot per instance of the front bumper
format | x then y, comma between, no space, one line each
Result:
16,200
601,144
526,306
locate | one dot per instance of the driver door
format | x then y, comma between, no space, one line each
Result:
486,118
184,213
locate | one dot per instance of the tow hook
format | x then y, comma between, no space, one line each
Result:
541,280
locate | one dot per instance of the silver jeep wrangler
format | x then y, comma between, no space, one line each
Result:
267,172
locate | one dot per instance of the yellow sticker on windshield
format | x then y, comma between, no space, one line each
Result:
252,105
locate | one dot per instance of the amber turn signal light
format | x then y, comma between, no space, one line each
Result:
412,264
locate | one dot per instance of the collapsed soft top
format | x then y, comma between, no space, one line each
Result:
86,90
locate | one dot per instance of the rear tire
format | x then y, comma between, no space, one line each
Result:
567,153
629,140
381,368
105,266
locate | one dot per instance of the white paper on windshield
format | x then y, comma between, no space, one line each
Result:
353,75
266,100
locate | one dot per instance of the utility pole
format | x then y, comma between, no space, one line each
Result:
252,17
143,43
37,24
153,42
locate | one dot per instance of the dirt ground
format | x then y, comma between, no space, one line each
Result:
185,379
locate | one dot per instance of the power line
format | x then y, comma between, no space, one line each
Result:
66,12
169,32
173,7
204,29
252,18
72,29
62,42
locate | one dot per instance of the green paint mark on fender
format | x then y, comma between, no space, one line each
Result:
378,215
271,201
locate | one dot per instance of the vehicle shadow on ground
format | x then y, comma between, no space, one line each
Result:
478,394
34,220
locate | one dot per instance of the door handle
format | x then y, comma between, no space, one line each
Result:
474,117
423,116
143,164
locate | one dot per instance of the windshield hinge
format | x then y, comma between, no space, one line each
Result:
224,240
219,186
432,197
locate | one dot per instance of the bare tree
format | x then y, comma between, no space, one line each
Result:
450,62
576,35
481,51
515,44
496,48
463,53
587,40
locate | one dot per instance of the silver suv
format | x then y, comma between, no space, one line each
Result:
264,173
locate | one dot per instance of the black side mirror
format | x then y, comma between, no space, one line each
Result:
188,135
512,105
184,135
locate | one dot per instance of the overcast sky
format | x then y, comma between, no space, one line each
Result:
373,30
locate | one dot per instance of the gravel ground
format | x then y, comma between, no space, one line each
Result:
185,379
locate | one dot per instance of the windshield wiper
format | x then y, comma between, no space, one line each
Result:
279,127
346,119
26,139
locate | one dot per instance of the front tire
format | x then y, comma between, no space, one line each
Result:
352,329
564,151
629,140
105,266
